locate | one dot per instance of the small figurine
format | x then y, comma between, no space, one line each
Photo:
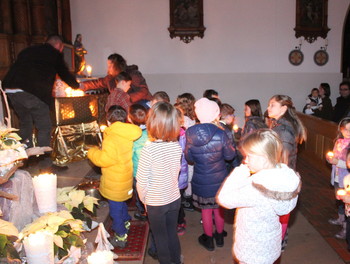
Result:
80,51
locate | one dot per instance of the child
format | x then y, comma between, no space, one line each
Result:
157,179
253,117
313,102
115,159
160,96
208,147
119,95
186,102
183,178
339,170
227,118
138,116
291,131
261,190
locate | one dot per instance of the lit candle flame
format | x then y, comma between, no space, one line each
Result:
330,154
235,127
103,127
89,70
341,192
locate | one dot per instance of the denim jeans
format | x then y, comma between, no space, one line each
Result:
31,112
163,222
119,214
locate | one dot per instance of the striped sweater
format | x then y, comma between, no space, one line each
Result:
158,172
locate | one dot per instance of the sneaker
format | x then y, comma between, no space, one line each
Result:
141,216
119,241
127,224
181,229
187,204
336,221
152,254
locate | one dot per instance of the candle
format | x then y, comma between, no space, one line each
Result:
341,192
330,154
101,257
39,248
45,187
235,127
103,127
89,70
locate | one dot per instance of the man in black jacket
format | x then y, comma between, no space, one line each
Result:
29,83
343,102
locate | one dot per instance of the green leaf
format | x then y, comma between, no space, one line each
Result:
3,242
88,222
62,233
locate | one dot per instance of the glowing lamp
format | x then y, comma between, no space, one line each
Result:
89,70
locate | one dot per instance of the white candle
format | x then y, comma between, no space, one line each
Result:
39,248
45,188
88,70
101,257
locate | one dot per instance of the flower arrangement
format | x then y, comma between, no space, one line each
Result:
76,201
63,226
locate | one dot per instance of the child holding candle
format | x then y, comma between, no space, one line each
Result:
157,179
261,190
115,159
339,170
208,147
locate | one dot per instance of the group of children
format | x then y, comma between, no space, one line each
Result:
184,153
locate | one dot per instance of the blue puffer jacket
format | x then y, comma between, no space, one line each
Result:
208,147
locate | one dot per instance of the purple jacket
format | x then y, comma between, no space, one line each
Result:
183,175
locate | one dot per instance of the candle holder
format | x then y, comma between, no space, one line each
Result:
45,188
39,248
101,257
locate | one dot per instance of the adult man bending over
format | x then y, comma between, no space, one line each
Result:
115,65
29,83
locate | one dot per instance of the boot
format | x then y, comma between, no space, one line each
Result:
207,242
219,239
337,221
342,233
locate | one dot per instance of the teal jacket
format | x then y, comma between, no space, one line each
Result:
136,150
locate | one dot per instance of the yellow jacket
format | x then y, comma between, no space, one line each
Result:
115,159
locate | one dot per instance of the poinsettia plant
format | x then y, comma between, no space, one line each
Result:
78,203
8,235
65,228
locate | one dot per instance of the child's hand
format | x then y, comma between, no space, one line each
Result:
333,161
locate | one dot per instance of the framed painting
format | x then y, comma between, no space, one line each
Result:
186,19
311,19
68,55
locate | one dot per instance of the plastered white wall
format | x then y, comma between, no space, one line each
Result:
243,55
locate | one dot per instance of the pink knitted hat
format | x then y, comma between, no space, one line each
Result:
206,110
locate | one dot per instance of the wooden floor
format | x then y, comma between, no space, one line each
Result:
317,204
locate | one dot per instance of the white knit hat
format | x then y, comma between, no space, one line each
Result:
206,110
